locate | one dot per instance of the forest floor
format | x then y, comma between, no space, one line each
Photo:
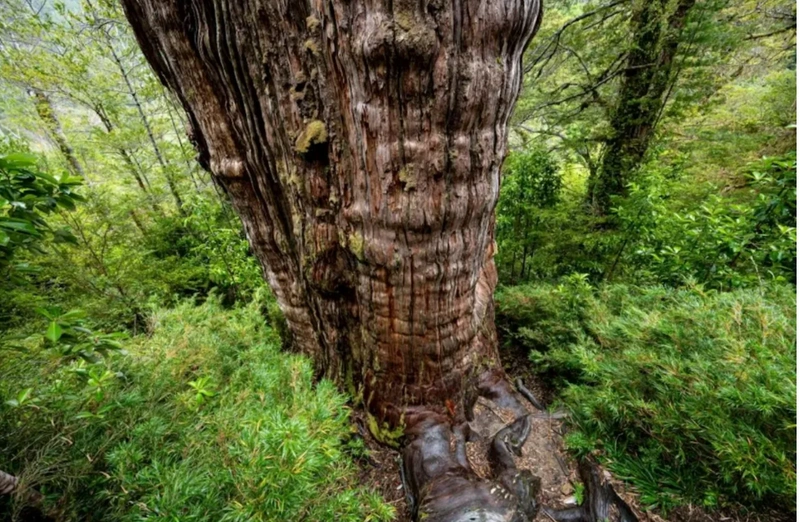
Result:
543,454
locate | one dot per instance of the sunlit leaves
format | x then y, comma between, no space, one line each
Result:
27,197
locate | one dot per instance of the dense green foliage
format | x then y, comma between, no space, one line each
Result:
667,326
27,197
139,380
203,419
531,184
688,393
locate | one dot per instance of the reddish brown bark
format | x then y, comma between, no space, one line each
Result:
360,143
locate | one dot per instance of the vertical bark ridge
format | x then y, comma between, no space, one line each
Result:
425,91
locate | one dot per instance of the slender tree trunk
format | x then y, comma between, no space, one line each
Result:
524,252
361,144
141,179
171,184
645,87
44,108
138,223
190,165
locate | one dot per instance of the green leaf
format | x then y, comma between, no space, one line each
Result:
23,395
17,160
20,226
46,177
51,312
66,202
54,331
73,315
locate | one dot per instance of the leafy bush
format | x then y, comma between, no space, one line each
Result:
115,271
204,419
715,240
27,197
670,229
689,394
531,183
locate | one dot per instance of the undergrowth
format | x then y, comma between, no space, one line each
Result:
204,419
689,394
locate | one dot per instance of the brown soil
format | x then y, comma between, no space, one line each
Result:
381,470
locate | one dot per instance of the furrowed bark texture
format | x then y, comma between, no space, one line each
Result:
361,144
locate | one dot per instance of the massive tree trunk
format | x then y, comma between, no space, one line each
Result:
657,27
361,144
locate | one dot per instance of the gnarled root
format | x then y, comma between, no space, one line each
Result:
442,487
8,483
441,483
599,501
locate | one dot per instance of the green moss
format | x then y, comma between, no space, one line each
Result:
295,180
382,432
407,177
356,243
314,133
312,23
333,198
404,20
312,46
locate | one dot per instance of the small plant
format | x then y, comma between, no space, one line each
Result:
23,398
579,488
27,197
68,334
202,391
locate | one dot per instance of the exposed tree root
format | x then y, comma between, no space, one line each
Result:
8,483
441,486
601,501
525,392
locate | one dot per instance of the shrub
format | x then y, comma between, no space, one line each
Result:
689,394
205,419
531,183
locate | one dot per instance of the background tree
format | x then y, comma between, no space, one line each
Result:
604,102
531,184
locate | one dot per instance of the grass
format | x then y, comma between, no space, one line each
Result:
688,394
204,419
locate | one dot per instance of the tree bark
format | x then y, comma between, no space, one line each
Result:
643,93
361,145
44,108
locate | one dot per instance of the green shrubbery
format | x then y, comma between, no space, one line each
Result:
204,419
688,393
671,228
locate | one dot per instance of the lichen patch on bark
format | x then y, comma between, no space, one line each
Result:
314,134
